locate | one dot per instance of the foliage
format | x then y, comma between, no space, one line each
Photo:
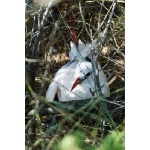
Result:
113,141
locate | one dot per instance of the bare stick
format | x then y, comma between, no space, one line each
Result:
32,60
84,23
45,15
103,36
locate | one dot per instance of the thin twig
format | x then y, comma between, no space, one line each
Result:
84,23
103,35
45,15
33,60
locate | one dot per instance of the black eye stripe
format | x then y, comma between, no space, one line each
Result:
88,74
88,59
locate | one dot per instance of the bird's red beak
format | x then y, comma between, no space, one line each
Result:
77,81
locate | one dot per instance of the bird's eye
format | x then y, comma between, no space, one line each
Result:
88,59
88,73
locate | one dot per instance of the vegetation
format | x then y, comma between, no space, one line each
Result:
96,124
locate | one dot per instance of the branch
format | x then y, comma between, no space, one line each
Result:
45,15
103,36
32,60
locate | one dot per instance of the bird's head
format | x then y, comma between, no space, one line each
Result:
82,71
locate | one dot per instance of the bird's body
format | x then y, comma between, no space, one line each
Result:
75,80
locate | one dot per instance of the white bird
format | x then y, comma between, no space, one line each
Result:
75,80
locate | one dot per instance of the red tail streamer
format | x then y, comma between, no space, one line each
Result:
73,32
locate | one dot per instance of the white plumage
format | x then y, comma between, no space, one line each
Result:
75,80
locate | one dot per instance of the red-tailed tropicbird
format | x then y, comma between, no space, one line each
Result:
75,80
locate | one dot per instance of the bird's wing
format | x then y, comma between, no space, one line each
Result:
61,81
73,52
51,92
85,49
81,45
